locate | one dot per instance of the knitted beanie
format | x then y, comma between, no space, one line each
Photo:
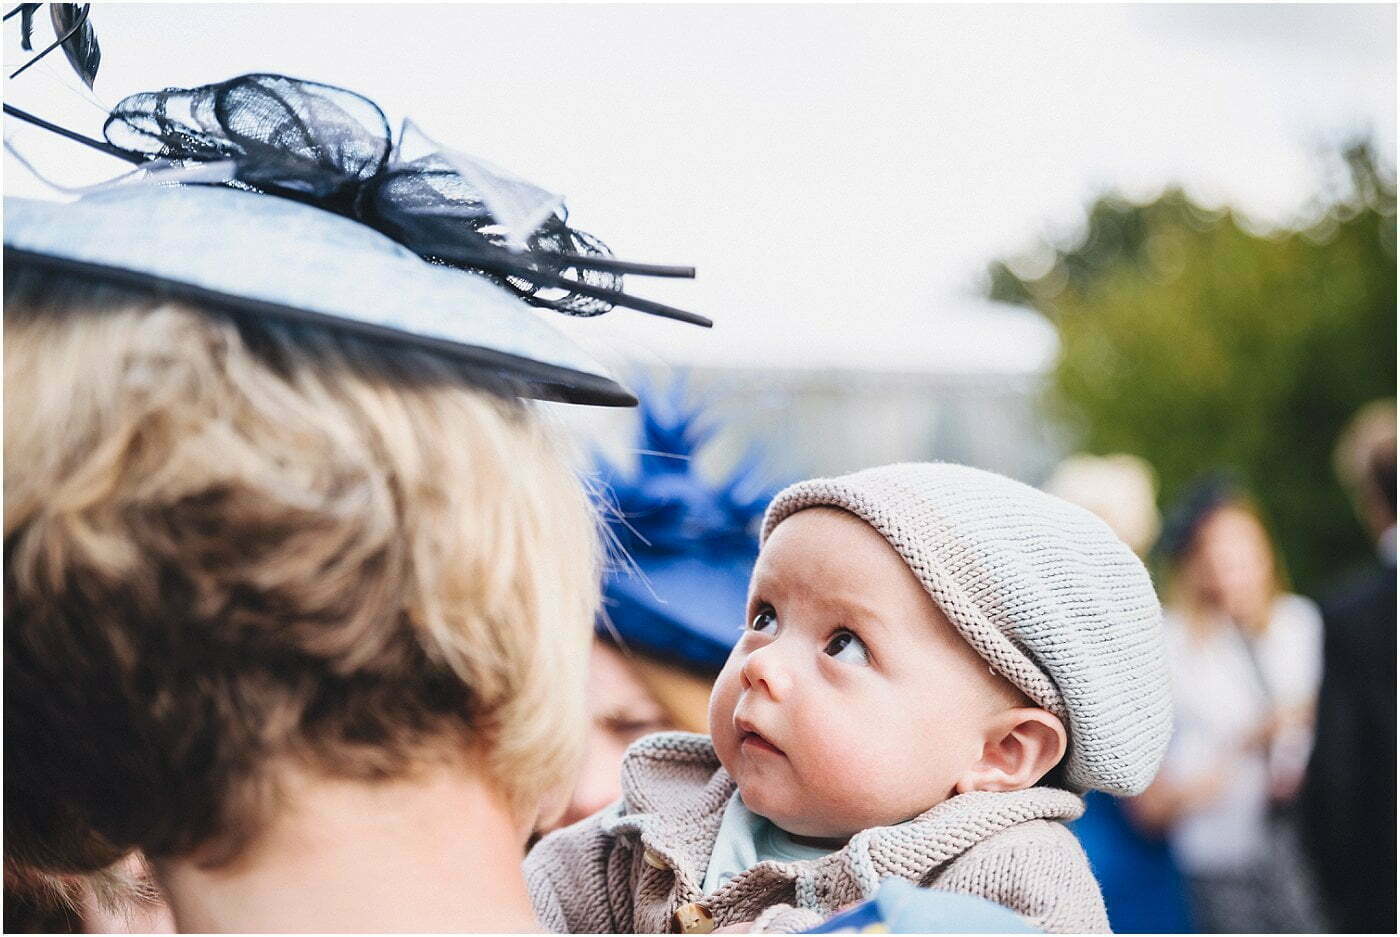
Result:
1042,589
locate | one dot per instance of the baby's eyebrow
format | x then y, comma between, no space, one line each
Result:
860,614
761,583
869,621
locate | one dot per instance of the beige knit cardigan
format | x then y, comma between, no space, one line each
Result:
629,868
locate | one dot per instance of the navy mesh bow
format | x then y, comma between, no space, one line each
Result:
333,148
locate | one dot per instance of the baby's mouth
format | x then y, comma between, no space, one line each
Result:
751,740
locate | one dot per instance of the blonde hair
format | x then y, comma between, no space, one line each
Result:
1364,449
1120,489
232,541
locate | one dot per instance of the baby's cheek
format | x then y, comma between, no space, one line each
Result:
721,715
847,777
828,752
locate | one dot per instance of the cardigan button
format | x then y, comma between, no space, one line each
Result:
654,859
693,918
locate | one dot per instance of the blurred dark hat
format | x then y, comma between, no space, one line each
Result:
1202,497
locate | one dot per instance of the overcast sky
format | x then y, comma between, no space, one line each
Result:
840,175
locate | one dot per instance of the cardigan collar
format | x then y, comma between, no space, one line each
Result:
674,792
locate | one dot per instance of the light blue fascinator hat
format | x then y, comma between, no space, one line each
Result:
269,256
271,196
680,593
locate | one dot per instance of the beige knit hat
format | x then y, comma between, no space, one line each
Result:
1042,589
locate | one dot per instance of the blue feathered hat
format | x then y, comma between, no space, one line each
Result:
680,592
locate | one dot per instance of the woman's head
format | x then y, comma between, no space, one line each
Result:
1364,459
1224,559
235,544
630,694
1232,562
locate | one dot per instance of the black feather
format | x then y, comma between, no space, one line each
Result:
26,25
80,47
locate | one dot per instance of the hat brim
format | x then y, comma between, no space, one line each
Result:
271,256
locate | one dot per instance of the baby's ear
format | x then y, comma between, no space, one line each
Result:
1021,747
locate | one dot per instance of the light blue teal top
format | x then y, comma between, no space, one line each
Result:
746,839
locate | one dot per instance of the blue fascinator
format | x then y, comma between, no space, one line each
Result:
274,196
680,594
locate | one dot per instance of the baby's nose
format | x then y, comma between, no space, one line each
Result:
764,670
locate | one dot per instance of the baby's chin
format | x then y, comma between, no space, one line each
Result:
773,789
804,814
784,813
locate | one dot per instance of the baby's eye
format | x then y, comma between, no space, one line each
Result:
765,621
845,646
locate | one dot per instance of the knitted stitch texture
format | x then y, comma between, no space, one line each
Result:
1041,588
627,869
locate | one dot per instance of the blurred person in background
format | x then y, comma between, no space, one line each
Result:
1246,659
675,597
1348,802
1142,887
1120,489
630,695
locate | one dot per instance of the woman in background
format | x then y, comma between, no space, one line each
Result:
674,599
1246,660
629,695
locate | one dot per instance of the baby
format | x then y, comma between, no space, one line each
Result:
937,661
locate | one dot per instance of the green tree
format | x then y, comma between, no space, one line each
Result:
1196,341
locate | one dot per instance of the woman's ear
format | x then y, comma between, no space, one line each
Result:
1020,748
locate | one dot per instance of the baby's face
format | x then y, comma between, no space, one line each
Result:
850,701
